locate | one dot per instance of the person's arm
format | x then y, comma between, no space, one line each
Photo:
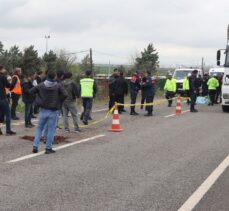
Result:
126,87
34,90
63,93
25,87
75,90
95,88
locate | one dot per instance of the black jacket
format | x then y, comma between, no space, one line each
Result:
148,87
4,84
49,95
111,83
71,89
135,83
120,86
27,97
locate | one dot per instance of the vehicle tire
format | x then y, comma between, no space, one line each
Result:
225,108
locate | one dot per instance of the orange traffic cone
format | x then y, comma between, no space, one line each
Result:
178,106
115,122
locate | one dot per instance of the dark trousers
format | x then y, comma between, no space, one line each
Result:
187,94
87,106
15,99
111,101
212,94
133,96
205,92
169,95
28,113
218,95
149,99
5,109
193,97
120,99
143,100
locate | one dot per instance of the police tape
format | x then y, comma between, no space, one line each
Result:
110,112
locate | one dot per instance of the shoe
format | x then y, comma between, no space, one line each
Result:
10,133
134,113
85,122
148,114
33,117
77,130
123,110
67,130
89,118
28,126
15,118
35,150
49,151
194,110
169,105
31,124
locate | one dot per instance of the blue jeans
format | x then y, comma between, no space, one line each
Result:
4,106
28,113
49,118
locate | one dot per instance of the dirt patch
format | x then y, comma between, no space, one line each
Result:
57,139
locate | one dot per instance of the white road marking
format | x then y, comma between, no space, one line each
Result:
171,115
56,148
194,199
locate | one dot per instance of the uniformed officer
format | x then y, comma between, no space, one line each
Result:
149,89
194,86
170,88
186,88
213,83
135,86
88,90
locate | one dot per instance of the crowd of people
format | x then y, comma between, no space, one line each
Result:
54,92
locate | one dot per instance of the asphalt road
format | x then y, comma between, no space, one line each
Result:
156,163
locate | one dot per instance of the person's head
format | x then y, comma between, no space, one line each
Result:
205,75
60,74
88,73
115,71
2,69
195,72
170,75
51,75
189,74
67,75
18,71
31,76
121,73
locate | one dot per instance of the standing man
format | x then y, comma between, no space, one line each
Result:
120,90
135,86
186,88
69,104
88,90
28,99
205,85
143,90
16,92
170,89
111,83
49,96
149,88
194,86
213,84
4,104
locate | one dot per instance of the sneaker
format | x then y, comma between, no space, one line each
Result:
31,124
35,150
85,122
10,133
28,126
134,113
77,130
33,117
49,151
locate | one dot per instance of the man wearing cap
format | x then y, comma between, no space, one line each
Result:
213,83
194,86
170,89
135,86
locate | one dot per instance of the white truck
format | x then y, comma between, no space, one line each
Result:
181,74
225,82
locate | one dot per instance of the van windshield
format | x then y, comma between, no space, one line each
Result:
181,74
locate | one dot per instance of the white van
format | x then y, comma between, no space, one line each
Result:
216,70
225,90
181,74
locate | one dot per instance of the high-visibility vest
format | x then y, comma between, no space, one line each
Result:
213,83
87,85
17,88
186,86
170,85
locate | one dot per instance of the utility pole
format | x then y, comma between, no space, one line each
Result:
202,64
91,64
47,37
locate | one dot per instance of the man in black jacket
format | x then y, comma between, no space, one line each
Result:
194,86
4,104
120,90
69,104
28,99
111,84
49,96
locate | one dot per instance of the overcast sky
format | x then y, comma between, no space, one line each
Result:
182,31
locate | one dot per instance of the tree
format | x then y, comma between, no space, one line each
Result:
148,61
64,60
86,64
49,60
30,61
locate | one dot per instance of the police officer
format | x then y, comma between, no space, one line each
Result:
213,83
194,86
135,86
149,89
170,88
186,88
88,90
